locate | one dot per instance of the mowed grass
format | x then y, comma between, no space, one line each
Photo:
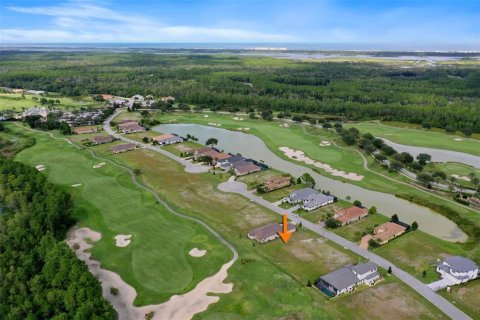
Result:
13,101
157,262
270,280
420,138
465,296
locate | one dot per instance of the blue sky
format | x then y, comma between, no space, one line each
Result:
327,21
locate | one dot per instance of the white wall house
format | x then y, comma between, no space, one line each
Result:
458,269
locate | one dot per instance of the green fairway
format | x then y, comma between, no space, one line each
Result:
13,101
420,138
157,262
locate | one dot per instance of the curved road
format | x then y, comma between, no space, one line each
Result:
236,187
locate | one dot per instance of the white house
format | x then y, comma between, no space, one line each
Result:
317,200
458,269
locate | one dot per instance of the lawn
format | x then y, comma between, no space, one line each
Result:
455,168
157,262
465,296
12,101
351,231
252,180
276,195
323,213
420,138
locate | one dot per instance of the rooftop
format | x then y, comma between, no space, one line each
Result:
269,230
302,194
351,213
460,264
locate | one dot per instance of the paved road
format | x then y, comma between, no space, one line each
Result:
240,188
437,300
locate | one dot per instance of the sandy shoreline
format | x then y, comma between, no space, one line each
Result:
178,307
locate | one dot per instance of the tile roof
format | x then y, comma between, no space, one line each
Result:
123,147
388,230
352,213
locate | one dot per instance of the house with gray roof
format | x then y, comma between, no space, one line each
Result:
269,232
346,279
317,200
300,195
458,269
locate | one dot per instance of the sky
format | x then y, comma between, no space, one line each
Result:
247,21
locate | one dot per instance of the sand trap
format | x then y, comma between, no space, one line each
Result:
299,155
458,139
465,178
205,116
215,124
285,125
101,164
243,129
325,143
178,307
76,185
237,118
40,167
123,240
195,252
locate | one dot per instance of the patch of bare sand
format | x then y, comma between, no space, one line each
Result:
464,178
123,240
387,299
99,165
197,253
40,167
178,307
299,155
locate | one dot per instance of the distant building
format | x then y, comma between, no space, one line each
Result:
106,96
123,148
35,92
34,111
269,232
167,99
17,90
83,130
347,278
350,215
138,98
165,139
276,183
102,139
211,152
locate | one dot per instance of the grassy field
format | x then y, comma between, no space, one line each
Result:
465,296
455,168
257,178
420,138
13,101
323,213
157,262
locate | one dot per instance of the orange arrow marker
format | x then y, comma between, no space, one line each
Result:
285,235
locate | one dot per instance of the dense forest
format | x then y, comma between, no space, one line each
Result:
40,276
442,96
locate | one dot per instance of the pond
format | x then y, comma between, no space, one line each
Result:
253,147
438,155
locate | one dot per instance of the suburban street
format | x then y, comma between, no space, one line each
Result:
237,187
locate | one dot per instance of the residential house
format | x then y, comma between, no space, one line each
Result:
269,232
387,231
84,130
167,99
347,278
106,96
316,201
138,98
241,168
276,183
165,139
457,269
130,127
211,152
350,215
123,148
17,90
102,139
300,195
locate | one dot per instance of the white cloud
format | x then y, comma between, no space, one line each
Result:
77,21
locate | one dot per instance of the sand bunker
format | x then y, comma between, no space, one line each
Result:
458,139
215,124
325,143
243,129
299,155
205,116
285,125
101,164
197,253
178,307
237,118
456,176
76,185
40,167
123,240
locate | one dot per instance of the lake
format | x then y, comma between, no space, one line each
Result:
253,147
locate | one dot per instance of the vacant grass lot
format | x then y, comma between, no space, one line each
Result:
157,262
420,138
465,296
13,101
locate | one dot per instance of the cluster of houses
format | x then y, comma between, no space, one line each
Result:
23,91
82,117
309,199
138,101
